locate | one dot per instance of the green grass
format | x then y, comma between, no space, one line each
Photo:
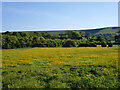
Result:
85,67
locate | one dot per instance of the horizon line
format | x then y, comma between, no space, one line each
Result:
56,29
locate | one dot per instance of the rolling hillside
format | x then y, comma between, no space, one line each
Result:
108,33
107,30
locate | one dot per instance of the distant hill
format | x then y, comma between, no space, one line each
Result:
106,30
108,33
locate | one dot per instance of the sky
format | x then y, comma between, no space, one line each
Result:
39,16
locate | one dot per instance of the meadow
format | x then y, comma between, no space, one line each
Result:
75,67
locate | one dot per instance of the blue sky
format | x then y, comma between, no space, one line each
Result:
18,16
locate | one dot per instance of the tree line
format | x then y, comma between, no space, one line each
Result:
71,38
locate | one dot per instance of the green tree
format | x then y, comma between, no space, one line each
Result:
23,34
100,38
14,41
8,33
22,42
93,38
55,36
42,38
8,39
110,44
48,36
63,36
81,33
73,35
88,36
103,44
69,43
16,34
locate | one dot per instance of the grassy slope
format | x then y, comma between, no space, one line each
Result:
85,67
108,30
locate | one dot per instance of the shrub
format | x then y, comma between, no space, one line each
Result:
84,45
103,44
92,44
69,43
110,44
8,46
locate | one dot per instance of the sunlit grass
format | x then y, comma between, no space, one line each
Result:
60,56
60,67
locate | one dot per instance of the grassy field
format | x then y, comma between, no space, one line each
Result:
83,67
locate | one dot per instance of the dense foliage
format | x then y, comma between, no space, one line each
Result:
38,39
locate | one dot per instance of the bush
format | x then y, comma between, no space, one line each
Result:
84,45
110,44
92,44
69,43
103,44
